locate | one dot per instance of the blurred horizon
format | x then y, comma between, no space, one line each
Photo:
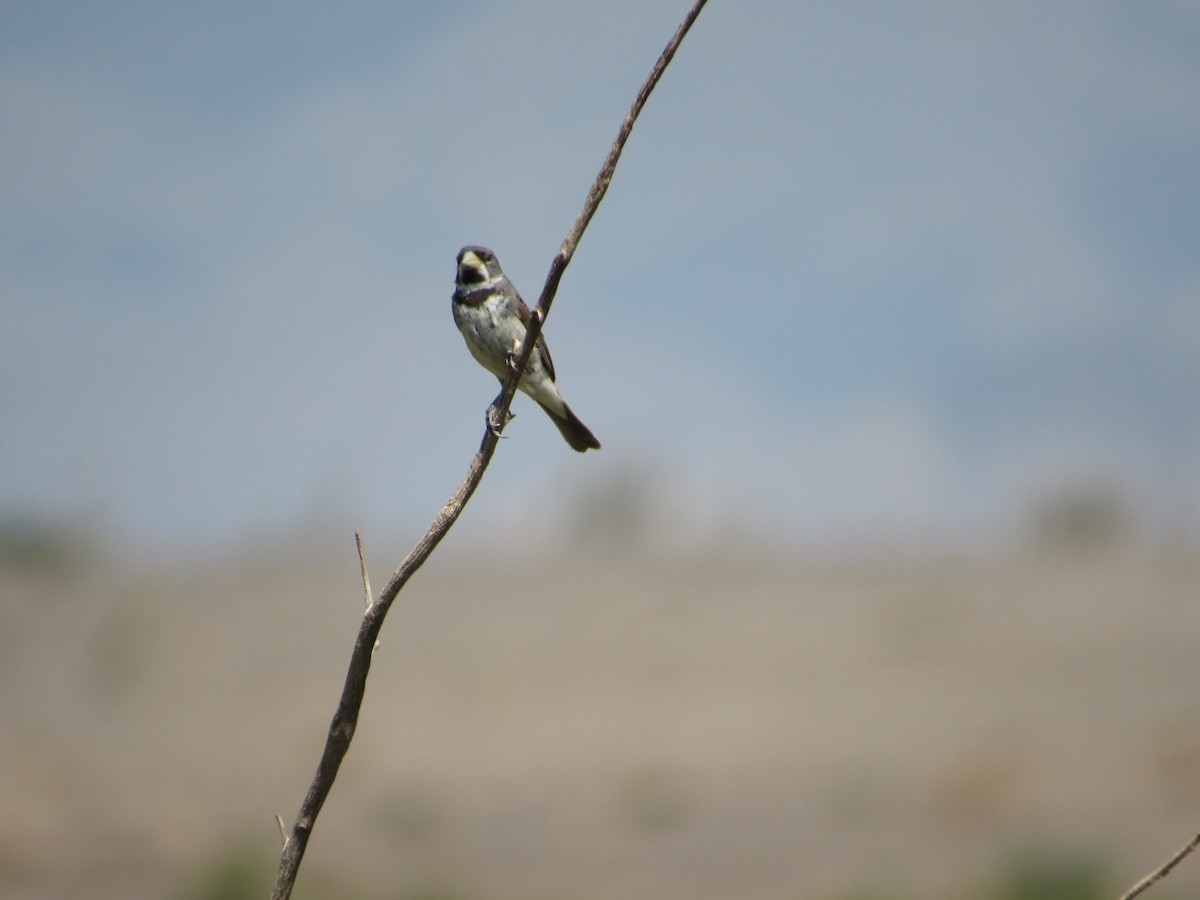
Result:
623,517
866,276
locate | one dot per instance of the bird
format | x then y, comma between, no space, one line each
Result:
492,317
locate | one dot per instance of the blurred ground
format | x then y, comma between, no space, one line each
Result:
713,726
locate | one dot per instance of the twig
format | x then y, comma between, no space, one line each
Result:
345,719
362,565
1162,871
366,578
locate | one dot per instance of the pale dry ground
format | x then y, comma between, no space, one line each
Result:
614,729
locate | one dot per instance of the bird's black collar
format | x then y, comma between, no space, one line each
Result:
476,296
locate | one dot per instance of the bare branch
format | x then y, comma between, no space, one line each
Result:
1162,871
345,718
599,188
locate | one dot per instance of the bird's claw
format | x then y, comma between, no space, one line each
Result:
494,425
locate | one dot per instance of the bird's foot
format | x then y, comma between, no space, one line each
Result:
494,425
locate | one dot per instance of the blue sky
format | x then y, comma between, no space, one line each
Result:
866,269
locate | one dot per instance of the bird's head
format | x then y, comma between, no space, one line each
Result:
477,267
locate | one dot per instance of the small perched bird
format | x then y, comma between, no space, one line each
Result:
492,318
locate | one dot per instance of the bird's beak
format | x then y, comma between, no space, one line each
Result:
472,270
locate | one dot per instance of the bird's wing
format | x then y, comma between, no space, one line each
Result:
541,347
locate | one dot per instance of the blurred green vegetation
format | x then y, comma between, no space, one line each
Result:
1081,520
1063,876
875,892
655,798
241,872
429,892
246,871
30,544
1025,875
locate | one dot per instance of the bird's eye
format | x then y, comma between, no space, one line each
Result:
473,274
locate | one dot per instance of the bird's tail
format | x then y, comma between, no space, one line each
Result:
578,435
